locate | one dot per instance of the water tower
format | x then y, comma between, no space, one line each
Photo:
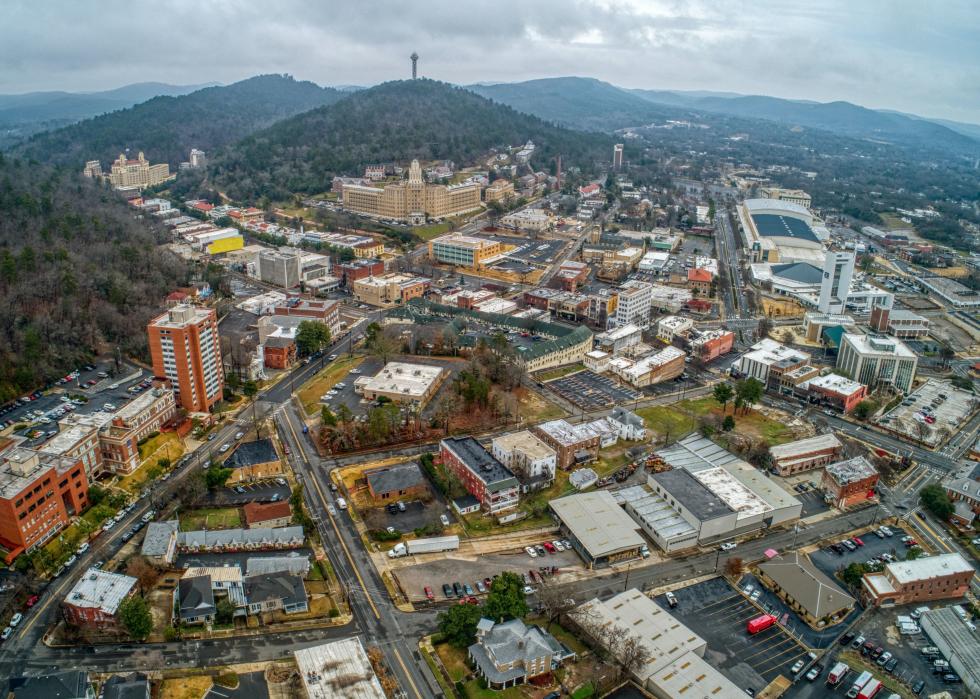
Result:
415,64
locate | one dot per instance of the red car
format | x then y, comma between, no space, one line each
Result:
469,600
428,594
549,547
857,541
911,542
32,600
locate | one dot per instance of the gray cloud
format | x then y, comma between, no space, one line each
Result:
914,56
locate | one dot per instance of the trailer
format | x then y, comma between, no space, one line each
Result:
870,689
433,545
760,623
859,683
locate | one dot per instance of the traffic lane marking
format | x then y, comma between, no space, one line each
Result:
408,675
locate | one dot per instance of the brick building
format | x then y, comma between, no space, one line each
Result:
571,443
279,352
708,345
267,514
837,391
353,270
38,494
186,350
398,482
485,478
699,281
326,312
806,454
96,597
946,576
849,483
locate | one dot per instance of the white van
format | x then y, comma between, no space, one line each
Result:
341,503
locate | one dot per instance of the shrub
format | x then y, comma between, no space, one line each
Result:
333,613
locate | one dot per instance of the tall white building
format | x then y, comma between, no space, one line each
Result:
838,269
198,158
877,359
635,298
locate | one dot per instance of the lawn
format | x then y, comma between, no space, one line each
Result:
681,418
324,380
534,407
432,230
185,688
216,518
611,460
164,445
558,372
671,421
454,660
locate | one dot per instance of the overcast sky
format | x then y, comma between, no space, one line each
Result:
919,57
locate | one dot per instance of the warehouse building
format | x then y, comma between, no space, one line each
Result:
956,642
708,515
806,454
402,382
599,530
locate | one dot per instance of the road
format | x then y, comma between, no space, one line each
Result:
733,293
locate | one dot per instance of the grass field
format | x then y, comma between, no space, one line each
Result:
185,688
432,230
165,444
217,518
324,380
558,372
535,408
677,420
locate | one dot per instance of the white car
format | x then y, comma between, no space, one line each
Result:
113,387
239,435
531,552
6,633
756,595
797,666
727,546
528,590
16,619
108,407
224,448
558,545
109,524
82,548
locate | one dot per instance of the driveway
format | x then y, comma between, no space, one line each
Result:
250,686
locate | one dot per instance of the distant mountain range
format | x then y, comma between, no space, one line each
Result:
166,128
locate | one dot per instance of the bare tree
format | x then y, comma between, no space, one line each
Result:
553,601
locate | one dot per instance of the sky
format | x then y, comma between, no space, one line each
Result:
908,55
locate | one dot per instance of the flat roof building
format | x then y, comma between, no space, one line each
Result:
402,382
838,391
848,483
600,531
489,481
95,598
469,251
532,461
944,576
874,360
956,642
339,668
806,454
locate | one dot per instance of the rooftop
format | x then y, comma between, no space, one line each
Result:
395,478
195,597
98,589
904,572
597,522
511,643
409,380
775,226
181,316
66,684
620,333
338,668
565,433
278,585
804,446
851,471
460,240
256,512
799,578
943,624
260,451
156,542
224,574
691,494
260,536
837,384
525,442
480,462
880,345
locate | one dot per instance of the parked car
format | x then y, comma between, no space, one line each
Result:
5,634
458,589
539,549
671,600
531,552
814,673
549,547
857,541
891,665
16,619
727,546
558,545
224,448
428,593
797,666
447,590
847,638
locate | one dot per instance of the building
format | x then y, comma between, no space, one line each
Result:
257,539
198,158
128,173
816,324
134,685
186,350
93,169
634,302
874,360
292,563
38,494
273,592
268,514
322,311
253,461
900,323
485,478
837,391
352,270
670,327
708,517
597,527
160,542
619,339
530,459
708,345
955,641
941,576
388,289
699,281
964,493
848,483
528,220
95,598
499,190
511,653
808,592
617,156
280,267
278,352
64,684
460,250
675,665
77,440
398,482
793,196
652,369
195,600
414,200
768,360
402,382
565,348
780,231
338,668
835,285
806,454
573,444
629,424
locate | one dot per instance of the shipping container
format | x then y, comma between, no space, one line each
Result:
760,623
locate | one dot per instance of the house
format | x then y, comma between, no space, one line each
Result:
807,591
629,424
699,281
267,514
160,542
195,600
275,591
134,685
65,684
398,482
253,461
226,581
293,563
531,460
96,597
512,653
257,539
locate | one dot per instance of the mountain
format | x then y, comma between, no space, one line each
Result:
166,128
394,121
78,274
842,118
24,114
580,103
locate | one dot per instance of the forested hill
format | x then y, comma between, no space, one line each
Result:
77,272
166,128
395,121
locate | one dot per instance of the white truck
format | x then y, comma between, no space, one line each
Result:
433,545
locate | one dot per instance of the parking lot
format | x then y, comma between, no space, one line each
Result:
254,492
930,414
250,686
416,516
829,562
718,613
590,391
452,569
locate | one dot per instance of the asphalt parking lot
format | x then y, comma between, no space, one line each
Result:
188,560
254,492
250,686
416,515
590,391
415,578
718,613
813,502
829,562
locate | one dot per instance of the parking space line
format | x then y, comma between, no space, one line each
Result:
780,639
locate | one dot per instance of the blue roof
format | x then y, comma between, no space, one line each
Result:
775,226
802,272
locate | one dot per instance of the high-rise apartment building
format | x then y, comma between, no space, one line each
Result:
618,156
198,158
186,350
838,268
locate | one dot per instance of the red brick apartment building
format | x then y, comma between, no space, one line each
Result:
38,493
850,482
186,350
95,598
485,478
327,312
946,576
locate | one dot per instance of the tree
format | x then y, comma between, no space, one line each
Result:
146,573
853,573
224,611
865,409
765,325
913,553
787,336
216,476
935,499
506,599
553,601
311,337
327,417
723,393
734,567
135,617
946,353
379,343
728,424
750,391
458,624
